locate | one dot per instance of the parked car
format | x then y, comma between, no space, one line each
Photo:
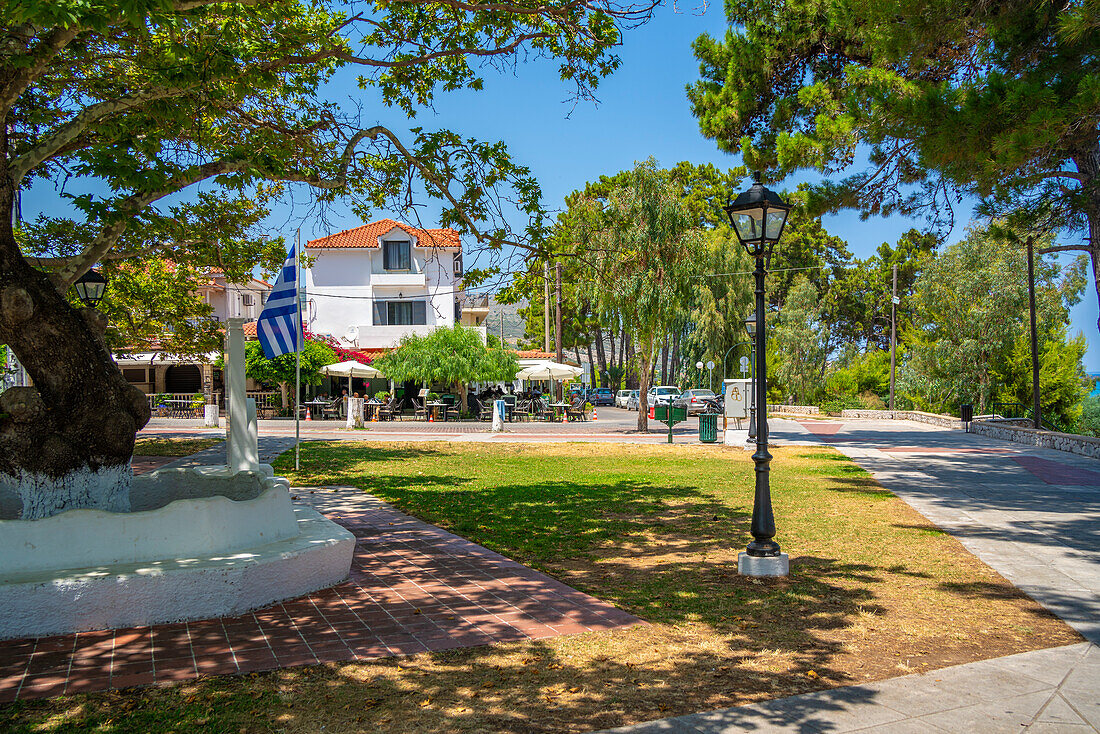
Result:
623,397
662,394
603,396
695,400
632,401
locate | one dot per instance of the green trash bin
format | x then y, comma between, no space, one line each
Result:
708,427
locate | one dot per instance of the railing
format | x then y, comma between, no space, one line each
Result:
179,404
1010,410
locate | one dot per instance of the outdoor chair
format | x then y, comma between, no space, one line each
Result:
576,411
483,409
542,409
332,410
387,410
420,410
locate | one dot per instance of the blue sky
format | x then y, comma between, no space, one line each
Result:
642,112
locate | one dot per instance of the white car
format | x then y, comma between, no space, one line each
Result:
662,395
622,397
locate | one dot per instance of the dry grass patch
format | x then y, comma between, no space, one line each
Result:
875,591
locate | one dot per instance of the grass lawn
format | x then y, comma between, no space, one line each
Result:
875,591
170,446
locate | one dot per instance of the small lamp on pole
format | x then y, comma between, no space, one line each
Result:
699,367
758,216
90,288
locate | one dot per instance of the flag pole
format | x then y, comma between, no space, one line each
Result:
301,338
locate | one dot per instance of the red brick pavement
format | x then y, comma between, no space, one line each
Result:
413,588
1055,472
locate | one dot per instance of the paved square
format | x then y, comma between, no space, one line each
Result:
413,588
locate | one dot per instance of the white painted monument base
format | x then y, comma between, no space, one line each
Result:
763,567
200,543
498,415
210,416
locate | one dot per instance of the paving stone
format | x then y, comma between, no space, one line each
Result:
418,600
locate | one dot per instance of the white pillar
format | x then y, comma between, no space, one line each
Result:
241,441
498,415
355,412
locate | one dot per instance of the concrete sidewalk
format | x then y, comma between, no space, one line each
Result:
1031,514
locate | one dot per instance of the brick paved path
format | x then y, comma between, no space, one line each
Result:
413,588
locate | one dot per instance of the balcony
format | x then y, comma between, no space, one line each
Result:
398,280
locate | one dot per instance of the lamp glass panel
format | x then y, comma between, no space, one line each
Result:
749,224
750,326
776,218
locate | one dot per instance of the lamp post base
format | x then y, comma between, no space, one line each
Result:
763,566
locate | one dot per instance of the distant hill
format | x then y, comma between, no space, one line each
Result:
513,322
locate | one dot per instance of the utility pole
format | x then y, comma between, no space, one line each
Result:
561,351
557,316
546,306
893,334
1038,423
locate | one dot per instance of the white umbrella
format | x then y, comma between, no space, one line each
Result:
350,369
549,371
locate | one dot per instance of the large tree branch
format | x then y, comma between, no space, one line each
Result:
1065,248
414,61
61,138
108,236
42,55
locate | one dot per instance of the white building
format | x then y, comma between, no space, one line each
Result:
234,300
371,285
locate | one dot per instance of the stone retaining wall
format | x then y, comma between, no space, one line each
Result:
935,419
1069,442
795,409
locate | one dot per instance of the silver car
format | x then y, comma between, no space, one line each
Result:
694,400
622,399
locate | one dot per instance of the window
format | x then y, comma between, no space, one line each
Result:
400,313
458,311
246,299
458,264
396,256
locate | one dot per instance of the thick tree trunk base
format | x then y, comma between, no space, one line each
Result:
107,488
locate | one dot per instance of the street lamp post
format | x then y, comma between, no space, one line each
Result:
758,216
750,329
699,370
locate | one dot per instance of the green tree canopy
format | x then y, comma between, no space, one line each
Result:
152,100
454,356
641,243
281,370
971,307
993,100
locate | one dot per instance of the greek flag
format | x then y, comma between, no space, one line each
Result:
278,327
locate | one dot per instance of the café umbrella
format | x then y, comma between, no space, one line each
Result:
350,369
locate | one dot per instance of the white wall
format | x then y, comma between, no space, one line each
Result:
342,285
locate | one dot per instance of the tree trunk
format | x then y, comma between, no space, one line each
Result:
645,369
675,360
611,351
664,362
601,355
460,388
595,377
65,443
1088,165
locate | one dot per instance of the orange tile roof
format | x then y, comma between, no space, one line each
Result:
534,354
368,234
250,330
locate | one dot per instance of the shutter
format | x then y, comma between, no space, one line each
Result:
379,313
419,312
387,257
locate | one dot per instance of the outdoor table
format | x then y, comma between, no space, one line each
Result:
558,409
314,406
370,411
437,409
